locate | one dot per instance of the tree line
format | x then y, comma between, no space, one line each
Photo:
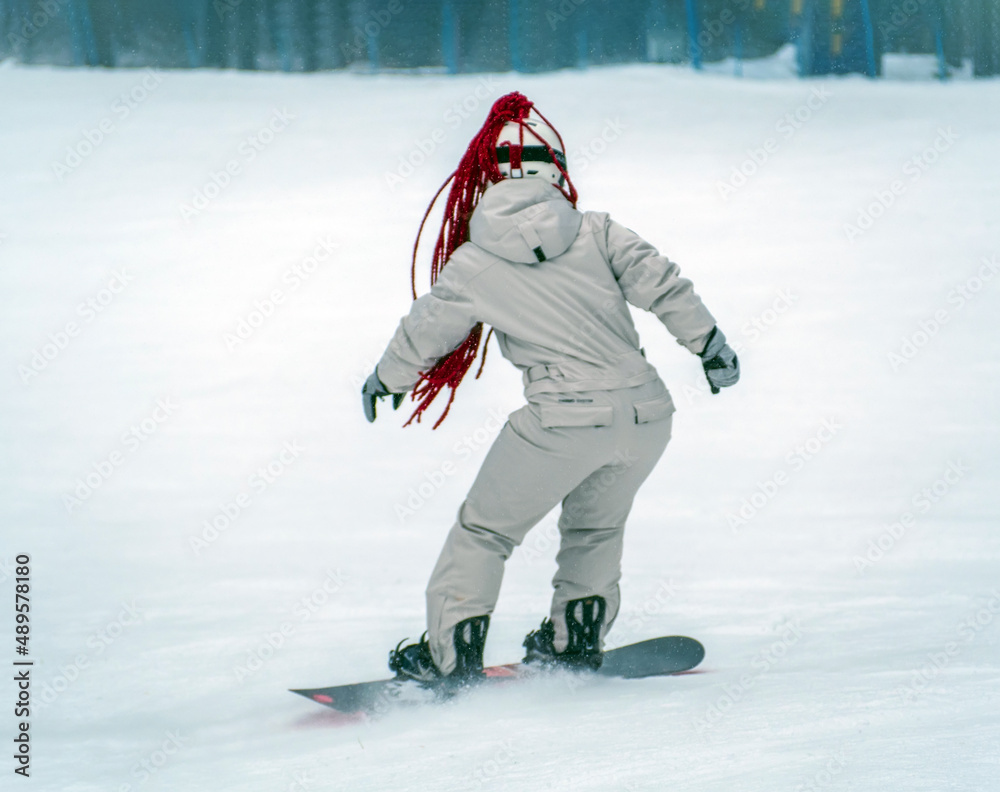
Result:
493,35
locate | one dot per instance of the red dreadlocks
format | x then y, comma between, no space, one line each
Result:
476,171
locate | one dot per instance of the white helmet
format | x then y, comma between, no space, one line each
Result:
523,144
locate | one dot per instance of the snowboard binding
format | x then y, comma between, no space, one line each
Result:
584,620
415,661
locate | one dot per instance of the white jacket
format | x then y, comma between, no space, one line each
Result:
553,283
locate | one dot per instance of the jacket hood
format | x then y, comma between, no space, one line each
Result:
524,220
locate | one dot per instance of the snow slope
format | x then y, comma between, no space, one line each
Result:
828,528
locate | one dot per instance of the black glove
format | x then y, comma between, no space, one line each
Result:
722,367
374,389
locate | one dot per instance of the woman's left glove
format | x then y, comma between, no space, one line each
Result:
374,389
722,367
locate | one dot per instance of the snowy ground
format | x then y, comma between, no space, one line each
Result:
828,528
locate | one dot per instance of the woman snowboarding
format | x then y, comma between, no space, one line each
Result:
554,285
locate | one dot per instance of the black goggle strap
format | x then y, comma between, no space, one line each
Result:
515,155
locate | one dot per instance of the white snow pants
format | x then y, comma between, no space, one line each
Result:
591,451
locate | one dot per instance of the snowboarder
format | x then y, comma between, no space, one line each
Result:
553,283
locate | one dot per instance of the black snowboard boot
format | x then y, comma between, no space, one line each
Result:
584,620
415,661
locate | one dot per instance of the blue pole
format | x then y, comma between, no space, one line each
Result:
866,18
692,28
372,51
76,37
938,23
283,37
88,32
581,47
813,58
279,19
738,44
514,39
187,16
939,46
449,37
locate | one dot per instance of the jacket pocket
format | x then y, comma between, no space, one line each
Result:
553,415
654,409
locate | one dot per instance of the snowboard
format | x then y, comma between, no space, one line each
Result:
655,657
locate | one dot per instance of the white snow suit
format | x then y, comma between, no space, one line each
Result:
554,284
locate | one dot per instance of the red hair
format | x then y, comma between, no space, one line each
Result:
477,169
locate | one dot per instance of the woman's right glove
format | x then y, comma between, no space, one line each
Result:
722,367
